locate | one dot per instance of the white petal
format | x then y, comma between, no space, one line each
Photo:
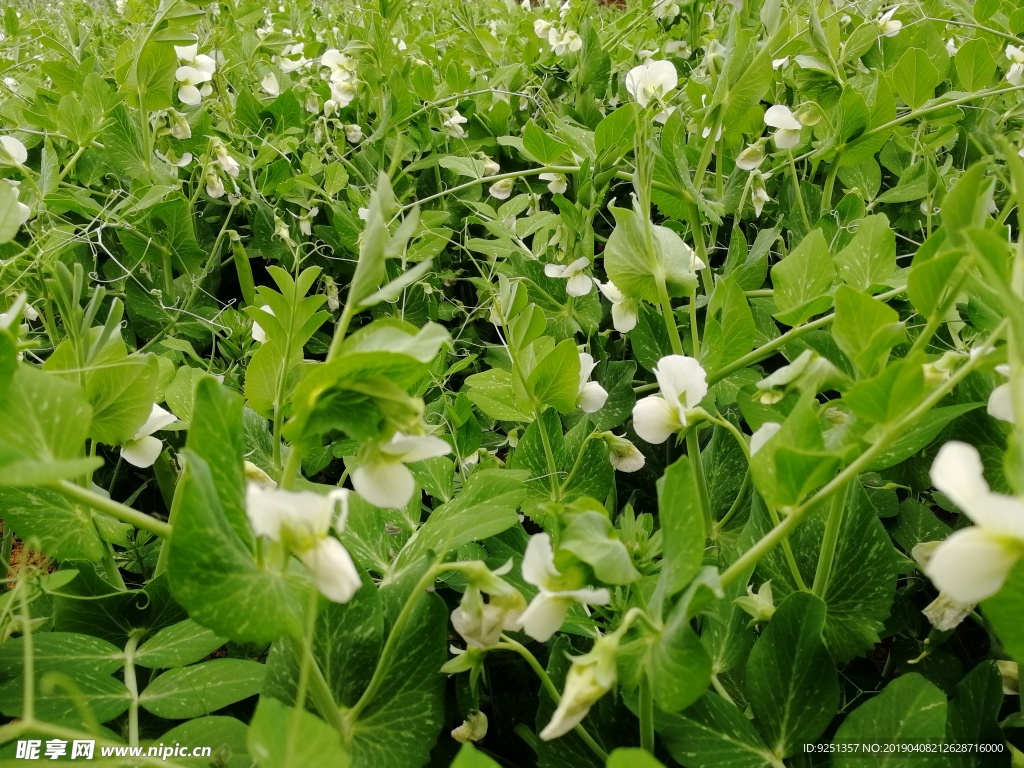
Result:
786,139
270,85
554,270
654,420
579,285
958,472
387,484
592,397
1000,403
628,459
780,116
204,63
539,561
663,74
158,419
189,94
407,448
611,292
15,149
589,596
186,52
624,316
544,616
332,569
681,379
945,613
142,452
587,365
762,435
972,565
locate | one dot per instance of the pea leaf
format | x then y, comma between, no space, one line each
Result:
870,258
201,689
803,280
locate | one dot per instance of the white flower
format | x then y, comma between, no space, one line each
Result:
679,48
180,128
24,212
480,624
502,190
750,159
399,43
683,384
292,58
760,605
383,479
227,163
651,83
353,133
545,614
972,563
270,85
665,9
473,728
568,42
491,168
306,221
578,282
622,454
14,149
1015,75
624,309
787,134
887,25
592,396
541,28
951,47
197,70
143,449
556,182
1000,402
452,124
944,613
762,435
258,334
342,76
214,184
758,197
173,160
302,520
590,677
780,63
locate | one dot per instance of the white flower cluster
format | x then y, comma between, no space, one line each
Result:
562,41
341,73
194,74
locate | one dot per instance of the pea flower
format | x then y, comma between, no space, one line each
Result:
452,124
760,605
14,149
491,168
502,190
179,125
887,25
353,133
197,70
758,194
787,134
223,158
651,83
556,182
578,282
473,728
624,309
590,677
341,72
306,221
24,212
568,42
301,521
558,591
292,58
1000,402
480,624
143,449
972,563
258,334
270,85
750,159
1015,75
592,396
683,384
383,479
762,435
541,28
665,9
622,454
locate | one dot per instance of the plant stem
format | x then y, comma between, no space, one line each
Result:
670,319
646,715
830,181
131,683
829,542
796,189
115,509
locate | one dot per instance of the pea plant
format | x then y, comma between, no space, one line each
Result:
425,382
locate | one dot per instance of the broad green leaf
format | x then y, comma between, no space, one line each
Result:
590,536
866,329
909,708
1003,610
682,528
201,689
968,203
62,528
542,146
729,329
555,381
286,737
870,258
105,696
803,280
178,645
491,391
678,666
712,733
470,757
637,262
791,683
974,65
57,651
915,77
973,714
225,736
632,757
614,134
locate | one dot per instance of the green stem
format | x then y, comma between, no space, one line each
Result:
670,319
646,715
292,467
549,455
829,542
797,514
28,658
115,509
131,683
718,527
787,549
796,189
340,330
693,451
830,182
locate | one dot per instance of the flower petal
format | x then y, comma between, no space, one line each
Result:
624,316
762,435
682,379
387,484
780,116
1000,403
332,569
654,419
972,564
539,561
189,94
158,419
958,472
142,452
592,397
579,285
14,148
408,448
544,616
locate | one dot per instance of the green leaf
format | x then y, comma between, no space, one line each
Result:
542,146
968,203
729,329
614,134
632,757
682,528
909,708
62,528
712,733
178,645
590,536
865,329
202,689
870,257
56,651
791,683
491,391
284,737
803,280
470,757
1003,611
555,381
637,263
915,77
678,666
974,65
225,736
973,714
